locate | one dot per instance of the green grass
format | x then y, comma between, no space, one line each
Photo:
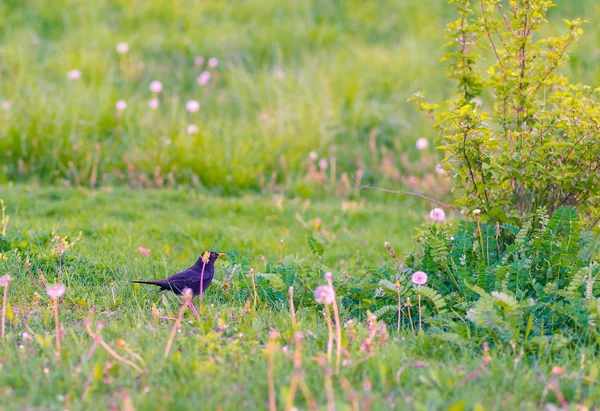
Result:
212,366
348,68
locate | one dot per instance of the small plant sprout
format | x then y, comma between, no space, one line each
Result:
408,306
270,350
60,246
325,295
390,249
298,377
419,278
338,325
251,275
4,281
281,250
438,215
5,218
205,259
292,309
187,301
328,382
55,292
398,290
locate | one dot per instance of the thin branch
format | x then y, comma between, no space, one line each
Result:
410,193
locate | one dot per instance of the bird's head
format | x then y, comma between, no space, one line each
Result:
210,256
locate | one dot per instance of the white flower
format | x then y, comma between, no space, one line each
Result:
192,106
199,61
122,48
438,215
204,78
419,278
121,105
56,291
439,170
156,86
476,211
324,294
192,129
74,74
6,105
4,280
422,144
153,103
213,62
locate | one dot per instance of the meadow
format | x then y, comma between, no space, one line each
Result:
220,361
135,135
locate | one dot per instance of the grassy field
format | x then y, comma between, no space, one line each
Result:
291,77
219,362
266,118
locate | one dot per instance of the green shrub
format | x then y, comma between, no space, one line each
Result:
517,135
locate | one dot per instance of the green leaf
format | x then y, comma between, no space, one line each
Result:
316,248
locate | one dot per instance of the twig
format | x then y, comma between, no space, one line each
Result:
410,193
97,338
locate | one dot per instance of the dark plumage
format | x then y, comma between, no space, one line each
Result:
190,278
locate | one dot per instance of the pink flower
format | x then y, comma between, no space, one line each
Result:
422,144
279,74
121,105
192,106
4,280
153,103
477,101
144,250
440,171
56,291
192,129
74,74
313,155
156,86
199,61
419,278
213,62
324,294
122,48
438,215
204,78
6,105
323,164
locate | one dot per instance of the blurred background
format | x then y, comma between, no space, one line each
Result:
301,97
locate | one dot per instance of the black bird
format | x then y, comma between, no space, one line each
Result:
190,278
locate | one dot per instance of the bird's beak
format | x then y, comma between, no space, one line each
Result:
222,255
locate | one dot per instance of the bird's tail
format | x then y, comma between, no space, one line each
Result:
157,282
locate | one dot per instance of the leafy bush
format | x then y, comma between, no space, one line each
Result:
518,283
518,135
